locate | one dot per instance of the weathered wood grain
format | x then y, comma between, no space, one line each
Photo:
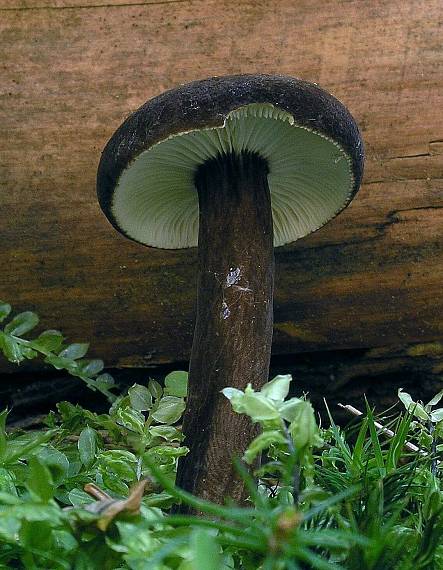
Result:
70,75
70,4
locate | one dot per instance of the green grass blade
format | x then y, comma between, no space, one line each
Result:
347,493
340,441
378,454
357,455
397,443
316,561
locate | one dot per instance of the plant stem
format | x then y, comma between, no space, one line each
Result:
233,330
90,382
293,459
434,462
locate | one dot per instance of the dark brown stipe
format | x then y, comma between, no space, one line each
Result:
233,330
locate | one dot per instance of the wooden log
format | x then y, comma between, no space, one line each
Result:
69,4
73,70
342,376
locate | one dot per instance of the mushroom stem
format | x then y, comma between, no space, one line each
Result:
233,330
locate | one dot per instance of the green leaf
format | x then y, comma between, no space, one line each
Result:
412,407
437,415
9,529
36,512
56,461
170,410
435,400
140,398
75,351
261,442
304,429
22,323
87,446
205,550
78,497
115,482
161,452
176,384
155,388
61,362
50,340
140,542
117,463
169,433
7,482
232,393
7,499
278,388
22,448
28,353
90,367
39,480
68,411
257,406
289,410
105,381
5,310
11,349
65,540
36,535
131,419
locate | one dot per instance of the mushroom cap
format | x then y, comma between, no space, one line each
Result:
145,180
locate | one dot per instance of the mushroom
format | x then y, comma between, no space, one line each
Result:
236,165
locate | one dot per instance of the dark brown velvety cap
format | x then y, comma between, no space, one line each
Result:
206,103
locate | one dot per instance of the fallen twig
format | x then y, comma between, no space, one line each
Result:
383,429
